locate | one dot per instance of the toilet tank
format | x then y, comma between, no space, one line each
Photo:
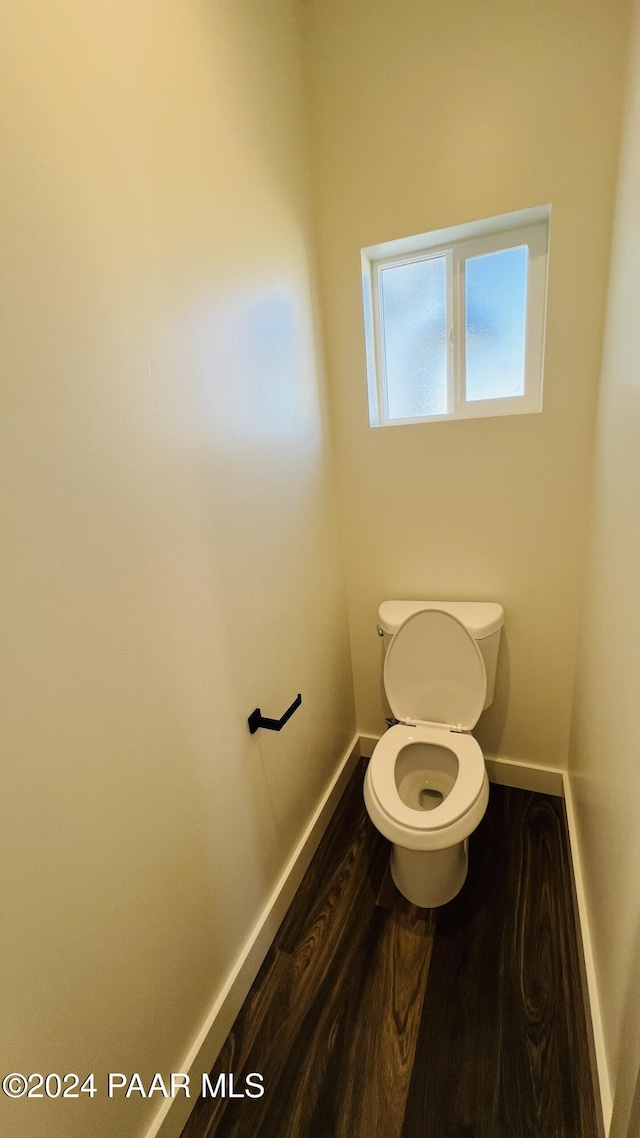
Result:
482,619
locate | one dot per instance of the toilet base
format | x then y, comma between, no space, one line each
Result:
430,877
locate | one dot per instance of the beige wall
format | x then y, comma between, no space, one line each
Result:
168,521
427,115
605,759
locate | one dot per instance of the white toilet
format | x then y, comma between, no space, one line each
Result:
426,787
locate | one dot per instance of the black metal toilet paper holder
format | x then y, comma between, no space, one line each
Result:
257,719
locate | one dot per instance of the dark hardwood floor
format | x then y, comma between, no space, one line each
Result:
371,1018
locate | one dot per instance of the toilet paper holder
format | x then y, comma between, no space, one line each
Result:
257,719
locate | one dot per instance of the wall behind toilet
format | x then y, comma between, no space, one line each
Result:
426,115
171,558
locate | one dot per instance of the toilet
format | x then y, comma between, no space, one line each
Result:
426,787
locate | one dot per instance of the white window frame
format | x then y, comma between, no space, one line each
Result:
526,227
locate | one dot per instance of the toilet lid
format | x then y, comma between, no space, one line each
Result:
434,672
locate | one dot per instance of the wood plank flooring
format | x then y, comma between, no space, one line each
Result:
371,1018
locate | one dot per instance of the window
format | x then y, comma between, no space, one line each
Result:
454,320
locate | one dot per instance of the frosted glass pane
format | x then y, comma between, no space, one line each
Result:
413,302
496,294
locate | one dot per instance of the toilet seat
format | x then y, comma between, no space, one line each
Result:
436,683
434,672
450,822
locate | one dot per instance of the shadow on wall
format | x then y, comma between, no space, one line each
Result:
381,688
491,725
633,1129
625,1119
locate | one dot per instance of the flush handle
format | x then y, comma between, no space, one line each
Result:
257,719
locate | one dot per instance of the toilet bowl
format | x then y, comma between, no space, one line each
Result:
426,790
426,787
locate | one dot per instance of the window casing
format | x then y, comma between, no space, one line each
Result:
454,321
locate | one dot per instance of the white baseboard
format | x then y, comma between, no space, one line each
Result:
525,776
589,966
173,1114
